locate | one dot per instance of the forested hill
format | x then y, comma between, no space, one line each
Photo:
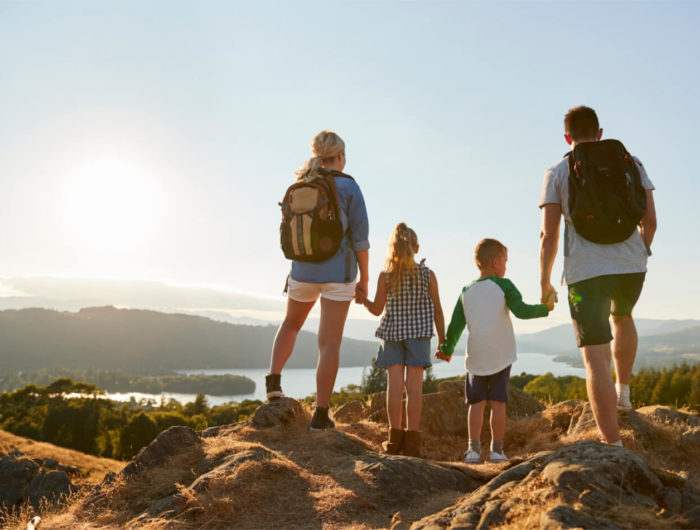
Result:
138,340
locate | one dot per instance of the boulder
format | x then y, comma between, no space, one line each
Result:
522,404
49,463
454,385
376,408
257,454
24,480
670,416
169,443
351,412
277,414
582,419
444,413
53,486
691,437
582,422
16,474
398,478
591,482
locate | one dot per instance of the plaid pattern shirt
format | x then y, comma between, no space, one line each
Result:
409,311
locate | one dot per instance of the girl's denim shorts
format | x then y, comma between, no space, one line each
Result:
411,352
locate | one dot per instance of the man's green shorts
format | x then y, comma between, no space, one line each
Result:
592,301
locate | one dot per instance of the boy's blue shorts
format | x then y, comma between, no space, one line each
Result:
492,387
411,352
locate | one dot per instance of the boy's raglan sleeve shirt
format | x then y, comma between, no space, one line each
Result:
514,301
456,327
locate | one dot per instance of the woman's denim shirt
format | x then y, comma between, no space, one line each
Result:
342,266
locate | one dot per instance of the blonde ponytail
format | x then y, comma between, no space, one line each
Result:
400,255
325,146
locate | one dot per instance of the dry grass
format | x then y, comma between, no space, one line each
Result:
93,468
299,485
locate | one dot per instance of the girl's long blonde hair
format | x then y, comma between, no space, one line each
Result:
400,256
325,146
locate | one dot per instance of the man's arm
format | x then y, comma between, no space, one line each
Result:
549,243
648,224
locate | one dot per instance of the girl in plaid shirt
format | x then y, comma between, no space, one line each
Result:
407,295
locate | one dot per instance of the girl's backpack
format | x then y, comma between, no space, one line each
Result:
311,228
606,197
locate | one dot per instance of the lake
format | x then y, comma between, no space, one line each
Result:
301,382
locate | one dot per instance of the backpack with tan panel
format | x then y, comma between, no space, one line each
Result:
311,228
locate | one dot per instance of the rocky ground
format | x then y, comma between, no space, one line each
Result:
270,472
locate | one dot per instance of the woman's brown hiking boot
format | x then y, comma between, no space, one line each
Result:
411,443
395,442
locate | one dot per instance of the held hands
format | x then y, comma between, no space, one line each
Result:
361,292
549,296
442,356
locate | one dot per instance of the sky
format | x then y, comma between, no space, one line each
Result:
153,140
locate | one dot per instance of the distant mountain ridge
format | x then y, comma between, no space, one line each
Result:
673,344
561,338
147,341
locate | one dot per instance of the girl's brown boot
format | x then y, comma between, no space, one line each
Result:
395,442
411,443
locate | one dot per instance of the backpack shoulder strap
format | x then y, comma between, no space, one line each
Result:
337,173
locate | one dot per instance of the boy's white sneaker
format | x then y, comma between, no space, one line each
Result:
498,457
472,457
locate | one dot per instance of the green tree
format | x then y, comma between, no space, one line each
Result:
375,380
137,433
430,384
73,423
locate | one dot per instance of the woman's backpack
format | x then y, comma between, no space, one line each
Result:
606,197
311,228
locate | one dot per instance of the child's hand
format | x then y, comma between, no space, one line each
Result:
551,300
442,356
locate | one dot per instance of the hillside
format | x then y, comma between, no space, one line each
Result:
658,350
92,468
143,341
561,338
270,472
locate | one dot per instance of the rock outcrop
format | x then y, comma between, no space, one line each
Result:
583,485
444,411
25,480
270,471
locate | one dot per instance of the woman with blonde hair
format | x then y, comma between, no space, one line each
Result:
409,291
333,279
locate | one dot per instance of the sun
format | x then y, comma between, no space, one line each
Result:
114,205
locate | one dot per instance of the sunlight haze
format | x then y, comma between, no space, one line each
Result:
152,141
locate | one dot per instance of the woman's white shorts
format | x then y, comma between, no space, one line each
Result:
309,292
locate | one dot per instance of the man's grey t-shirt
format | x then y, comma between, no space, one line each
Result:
582,258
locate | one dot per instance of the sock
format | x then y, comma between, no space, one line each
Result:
623,393
475,445
497,447
617,444
322,413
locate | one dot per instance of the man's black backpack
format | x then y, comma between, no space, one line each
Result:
311,228
606,197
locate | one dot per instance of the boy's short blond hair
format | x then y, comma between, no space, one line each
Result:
486,250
